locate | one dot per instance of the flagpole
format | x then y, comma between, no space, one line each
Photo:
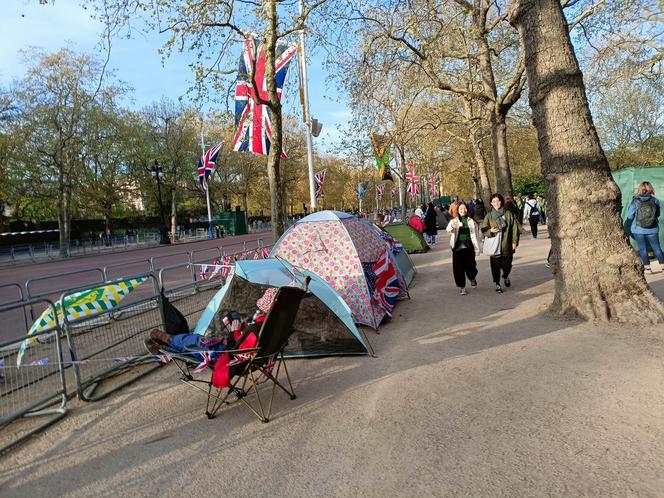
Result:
307,119
207,189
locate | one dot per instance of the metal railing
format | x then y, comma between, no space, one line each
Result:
36,387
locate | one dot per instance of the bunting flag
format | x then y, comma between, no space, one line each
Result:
380,191
82,304
319,178
433,185
413,181
206,165
252,120
381,148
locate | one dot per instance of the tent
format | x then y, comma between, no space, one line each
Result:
323,326
412,240
630,178
340,248
397,253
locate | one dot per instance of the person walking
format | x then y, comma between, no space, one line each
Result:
643,220
431,229
531,212
465,246
501,222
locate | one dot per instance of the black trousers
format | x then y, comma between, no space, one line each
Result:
499,263
463,265
533,225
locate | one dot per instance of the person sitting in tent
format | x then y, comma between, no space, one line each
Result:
195,345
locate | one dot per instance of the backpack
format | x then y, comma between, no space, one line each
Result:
533,209
646,214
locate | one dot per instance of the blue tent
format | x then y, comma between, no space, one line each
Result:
324,325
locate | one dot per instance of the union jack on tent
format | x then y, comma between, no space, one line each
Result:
252,120
206,165
319,178
385,283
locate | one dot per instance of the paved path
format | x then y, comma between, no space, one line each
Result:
478,395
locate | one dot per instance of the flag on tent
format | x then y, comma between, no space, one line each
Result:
384,283
252,120
319,178
380,191
360,191
82,304
433,185
381,149
413,181
206,165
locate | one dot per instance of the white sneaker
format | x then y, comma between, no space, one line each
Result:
463,291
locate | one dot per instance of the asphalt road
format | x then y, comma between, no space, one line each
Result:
51,278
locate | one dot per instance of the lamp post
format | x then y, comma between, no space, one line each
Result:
158,173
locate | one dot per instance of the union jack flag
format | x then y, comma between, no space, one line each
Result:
252,120
319,178
413,181
395,190
433,185
206,165
380,190
227,269
206,359
385,284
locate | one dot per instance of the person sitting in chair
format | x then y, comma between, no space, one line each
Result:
191,344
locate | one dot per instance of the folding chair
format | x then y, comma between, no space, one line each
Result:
249,368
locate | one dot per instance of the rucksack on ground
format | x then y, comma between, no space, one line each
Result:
646,214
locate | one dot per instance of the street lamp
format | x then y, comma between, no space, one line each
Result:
158,173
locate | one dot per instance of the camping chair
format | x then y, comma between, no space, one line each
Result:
249,368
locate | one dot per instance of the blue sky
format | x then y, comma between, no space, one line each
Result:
26,23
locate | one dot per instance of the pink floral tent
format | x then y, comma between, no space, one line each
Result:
335,246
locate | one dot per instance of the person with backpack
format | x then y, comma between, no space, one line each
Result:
643,220
531,212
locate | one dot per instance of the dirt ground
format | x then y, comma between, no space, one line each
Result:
478,395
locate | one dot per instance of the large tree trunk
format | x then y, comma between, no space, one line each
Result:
64,216
501,159
597,274
174,213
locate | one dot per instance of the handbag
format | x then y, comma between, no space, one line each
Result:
492,245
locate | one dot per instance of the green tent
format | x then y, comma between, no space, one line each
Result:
630,178
411,239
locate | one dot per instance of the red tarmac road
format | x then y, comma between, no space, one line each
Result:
121,264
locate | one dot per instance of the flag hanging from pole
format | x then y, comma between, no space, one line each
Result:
381,148
395,190
319,178
206,165
380,191
252,120
413,182
360,191
433,185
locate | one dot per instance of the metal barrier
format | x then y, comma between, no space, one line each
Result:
59,278
37,387
127,266
110,342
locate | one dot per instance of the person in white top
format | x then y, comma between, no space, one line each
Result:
531,213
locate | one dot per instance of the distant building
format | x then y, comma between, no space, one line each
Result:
132,197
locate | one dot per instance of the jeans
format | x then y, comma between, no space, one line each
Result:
499,263
653,240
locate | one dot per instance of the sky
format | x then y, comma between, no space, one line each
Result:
26,23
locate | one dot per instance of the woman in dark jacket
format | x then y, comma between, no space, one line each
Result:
431,229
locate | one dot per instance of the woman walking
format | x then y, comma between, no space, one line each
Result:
464,245
431,228
500,222
644,214
531,213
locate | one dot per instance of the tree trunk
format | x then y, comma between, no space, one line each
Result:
501,159
277,204
174,213
597,274
245,207
473,138
64,217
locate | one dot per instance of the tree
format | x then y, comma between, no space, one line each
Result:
598,276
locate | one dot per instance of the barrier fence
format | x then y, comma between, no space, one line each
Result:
37,387
105,344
